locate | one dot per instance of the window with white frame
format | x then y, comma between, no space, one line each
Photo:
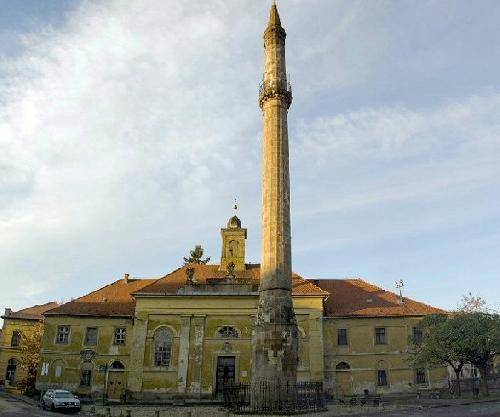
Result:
163,339
62,335
120,336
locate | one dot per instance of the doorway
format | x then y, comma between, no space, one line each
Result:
10,374
225,372
116,381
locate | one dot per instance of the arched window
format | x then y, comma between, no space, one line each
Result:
228,332
16,338
342,366
163,346
117,365
10,374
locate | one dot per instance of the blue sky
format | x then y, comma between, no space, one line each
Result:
127,129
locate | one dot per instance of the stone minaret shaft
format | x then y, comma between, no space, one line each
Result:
275,338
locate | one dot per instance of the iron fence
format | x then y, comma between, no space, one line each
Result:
266,397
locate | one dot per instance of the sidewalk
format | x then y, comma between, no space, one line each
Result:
18,397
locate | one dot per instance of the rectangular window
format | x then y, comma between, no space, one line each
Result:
420,376
342,337
58,371
120,336
417,335
382,378
91,336
380,336
85,377
62,334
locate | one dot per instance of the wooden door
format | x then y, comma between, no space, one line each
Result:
343,383
116,385
225,372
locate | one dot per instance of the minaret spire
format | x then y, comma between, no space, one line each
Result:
275,337
274,16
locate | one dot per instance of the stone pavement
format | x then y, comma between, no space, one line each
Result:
485,408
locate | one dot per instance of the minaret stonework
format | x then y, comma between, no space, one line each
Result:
275,337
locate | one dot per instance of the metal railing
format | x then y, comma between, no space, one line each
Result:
266,397
277,85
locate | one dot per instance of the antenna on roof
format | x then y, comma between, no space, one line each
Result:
400,285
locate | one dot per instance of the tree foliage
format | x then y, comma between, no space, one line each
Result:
196,256
481,341
441,345
454,340
31,345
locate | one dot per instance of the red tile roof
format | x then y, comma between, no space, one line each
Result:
170,283
358,298
32,313
112,300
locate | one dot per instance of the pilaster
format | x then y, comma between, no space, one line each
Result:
182,368
134,381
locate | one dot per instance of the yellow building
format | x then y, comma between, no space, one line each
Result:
187,333
16,326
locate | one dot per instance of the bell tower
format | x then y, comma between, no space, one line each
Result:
233,245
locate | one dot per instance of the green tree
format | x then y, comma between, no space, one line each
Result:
441,345
196,256
481,344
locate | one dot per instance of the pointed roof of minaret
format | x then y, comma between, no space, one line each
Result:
274,16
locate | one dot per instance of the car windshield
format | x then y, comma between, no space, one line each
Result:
64,395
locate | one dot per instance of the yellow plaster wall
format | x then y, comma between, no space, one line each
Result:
365,357
7,352
68,356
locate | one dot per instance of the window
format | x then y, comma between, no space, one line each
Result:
382,378
85,378
10,373
342,366
163,347
120,336
117,365
420,376
62,334
342,337
228,332
417,335
380,336
15,340
91,336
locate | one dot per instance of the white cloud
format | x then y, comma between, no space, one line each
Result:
126,133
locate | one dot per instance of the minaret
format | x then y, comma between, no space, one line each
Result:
275,338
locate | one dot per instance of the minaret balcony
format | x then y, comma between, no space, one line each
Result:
277,88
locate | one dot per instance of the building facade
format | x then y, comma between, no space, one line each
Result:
187,333
17,325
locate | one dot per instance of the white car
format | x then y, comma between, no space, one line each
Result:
60,399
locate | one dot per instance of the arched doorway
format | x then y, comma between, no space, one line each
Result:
116,381
10,373
343,379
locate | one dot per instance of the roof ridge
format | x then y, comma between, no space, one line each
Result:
36,305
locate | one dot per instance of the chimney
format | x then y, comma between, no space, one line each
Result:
8,311
125,278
